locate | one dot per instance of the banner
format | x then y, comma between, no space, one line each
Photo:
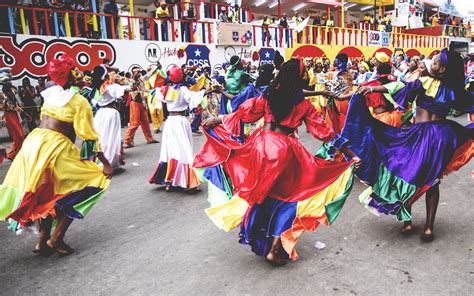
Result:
230,34
378,38
375,38
385,41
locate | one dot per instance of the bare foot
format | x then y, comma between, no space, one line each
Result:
275,260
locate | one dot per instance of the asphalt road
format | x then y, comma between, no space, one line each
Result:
139,240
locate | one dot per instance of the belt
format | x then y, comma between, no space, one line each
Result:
177,113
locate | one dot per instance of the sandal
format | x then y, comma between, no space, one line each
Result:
427,237
407,229
61,248
193,190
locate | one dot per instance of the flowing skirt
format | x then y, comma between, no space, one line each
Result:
176,155
271,186
47,176
401,164
107,124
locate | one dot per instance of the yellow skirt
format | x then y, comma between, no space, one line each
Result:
47,176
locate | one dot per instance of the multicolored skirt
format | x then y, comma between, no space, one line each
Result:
176,157
48,176
271,186
401,164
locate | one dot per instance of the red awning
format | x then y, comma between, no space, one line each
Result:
430,3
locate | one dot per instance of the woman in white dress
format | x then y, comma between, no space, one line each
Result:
174,169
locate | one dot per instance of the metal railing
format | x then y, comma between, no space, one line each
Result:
323,35
60,23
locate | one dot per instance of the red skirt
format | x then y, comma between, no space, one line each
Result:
268,164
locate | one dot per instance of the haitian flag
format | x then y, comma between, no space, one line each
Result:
266,55
197,55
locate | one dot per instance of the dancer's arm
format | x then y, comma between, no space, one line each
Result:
107,171
313,93
363,90
220,90
345,97
357,161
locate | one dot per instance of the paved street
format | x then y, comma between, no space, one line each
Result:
139,240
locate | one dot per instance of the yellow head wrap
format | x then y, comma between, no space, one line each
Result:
382,57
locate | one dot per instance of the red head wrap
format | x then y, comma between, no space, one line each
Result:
60,68
175,74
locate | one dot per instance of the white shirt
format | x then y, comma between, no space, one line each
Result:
181,99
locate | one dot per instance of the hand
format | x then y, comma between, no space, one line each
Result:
363,90
357,162
330,94
108,171
217,88
211,122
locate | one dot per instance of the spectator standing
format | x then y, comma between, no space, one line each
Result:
381,27
187,27
223,15
265,31
28,14
163,14
27,96
39,88
113,9
284,27
388,26
298,19
234,14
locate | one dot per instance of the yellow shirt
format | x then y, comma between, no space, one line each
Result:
78,112
160,12
435,21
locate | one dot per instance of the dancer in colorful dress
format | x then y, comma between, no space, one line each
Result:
50,177
12,119
155,82
138,113
429,149
176,157
341,84
236,80
107,120
280,189
381,105
265,76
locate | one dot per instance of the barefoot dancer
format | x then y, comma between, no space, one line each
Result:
176,157
401,165
50,177
280,189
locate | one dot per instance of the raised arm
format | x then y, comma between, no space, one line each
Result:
250,111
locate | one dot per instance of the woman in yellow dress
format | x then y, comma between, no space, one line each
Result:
50,178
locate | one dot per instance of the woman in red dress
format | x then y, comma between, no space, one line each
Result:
279,189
